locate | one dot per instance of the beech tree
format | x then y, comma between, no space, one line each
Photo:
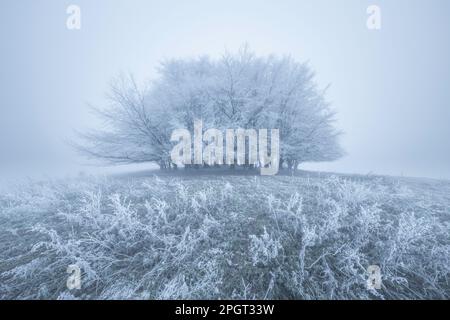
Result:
236,91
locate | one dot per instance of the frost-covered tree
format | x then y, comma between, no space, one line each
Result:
135,128
236,91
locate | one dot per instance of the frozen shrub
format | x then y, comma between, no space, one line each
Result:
263,249
210,237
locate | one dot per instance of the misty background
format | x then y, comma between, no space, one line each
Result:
390,87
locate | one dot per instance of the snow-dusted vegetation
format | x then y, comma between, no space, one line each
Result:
169,237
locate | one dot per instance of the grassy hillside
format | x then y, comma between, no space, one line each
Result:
285,237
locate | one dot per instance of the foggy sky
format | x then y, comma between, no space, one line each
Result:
390,87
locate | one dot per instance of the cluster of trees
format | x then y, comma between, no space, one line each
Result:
238,90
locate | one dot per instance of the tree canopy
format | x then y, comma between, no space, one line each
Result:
238,90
